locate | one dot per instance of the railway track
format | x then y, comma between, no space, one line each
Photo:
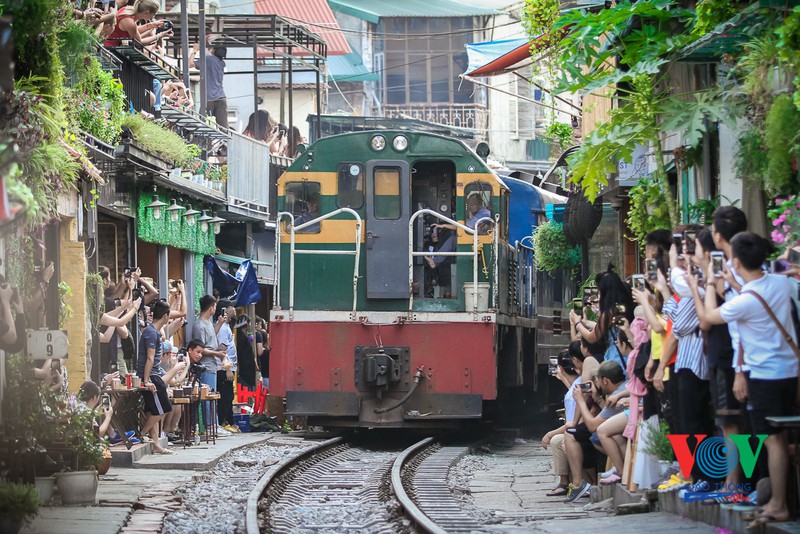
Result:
346,485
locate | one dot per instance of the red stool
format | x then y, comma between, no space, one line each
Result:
243,394
261,399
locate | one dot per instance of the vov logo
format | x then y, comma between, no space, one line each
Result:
716,457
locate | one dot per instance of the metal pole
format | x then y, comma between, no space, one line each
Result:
318,126
201,6
185,43
291,92
255,83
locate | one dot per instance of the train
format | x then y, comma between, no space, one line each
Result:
406,294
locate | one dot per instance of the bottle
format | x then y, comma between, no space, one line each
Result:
197,434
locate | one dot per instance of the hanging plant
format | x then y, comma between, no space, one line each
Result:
550,248
157,139
648,210
560,134
751,158
781,137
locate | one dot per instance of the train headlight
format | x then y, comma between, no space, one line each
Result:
400,143
378,143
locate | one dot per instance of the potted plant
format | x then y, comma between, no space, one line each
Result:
551,250
18,503
79,486
105,461
657,444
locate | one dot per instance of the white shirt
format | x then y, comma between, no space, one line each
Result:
765,351
570,404
225,336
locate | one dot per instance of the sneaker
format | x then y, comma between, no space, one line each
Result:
701,486
674,483
606,474
232,429
575,493
611,480
222,432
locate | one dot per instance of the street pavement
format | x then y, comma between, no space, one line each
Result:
510,490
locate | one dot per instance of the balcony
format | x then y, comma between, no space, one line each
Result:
469,116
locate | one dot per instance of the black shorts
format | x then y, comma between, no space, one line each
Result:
769,398
581,433
157,403
721,384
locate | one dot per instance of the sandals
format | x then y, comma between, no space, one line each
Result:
752,516
165,451
558,491
763,520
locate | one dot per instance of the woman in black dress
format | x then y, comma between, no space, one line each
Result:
245,353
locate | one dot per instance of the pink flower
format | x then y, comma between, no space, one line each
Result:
778,201
776,222
786,228
777,237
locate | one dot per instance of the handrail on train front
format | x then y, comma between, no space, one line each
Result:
470,231
293,252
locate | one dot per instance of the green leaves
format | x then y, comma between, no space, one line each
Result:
550,248
691,117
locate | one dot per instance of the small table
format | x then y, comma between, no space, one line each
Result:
128,412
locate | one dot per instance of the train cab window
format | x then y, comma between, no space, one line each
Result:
477,205
387,193
350,186
303,201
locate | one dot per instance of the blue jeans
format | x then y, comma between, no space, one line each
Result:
210,378
157,94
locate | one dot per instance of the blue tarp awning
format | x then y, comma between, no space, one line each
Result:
493,57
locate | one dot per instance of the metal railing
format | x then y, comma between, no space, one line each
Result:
472,116
526,272
293,252
470,231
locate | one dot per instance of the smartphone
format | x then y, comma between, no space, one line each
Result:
778,266
698,272
127,273
590,293
577,304
689,236
587,387
105,400
552,367
637,281
717,263
619,314
651,268
677,240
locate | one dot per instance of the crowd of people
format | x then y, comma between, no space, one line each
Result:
222,349
703,340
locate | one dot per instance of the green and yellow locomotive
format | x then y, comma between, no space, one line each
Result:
399,300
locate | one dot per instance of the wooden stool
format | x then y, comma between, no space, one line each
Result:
211,430
183,403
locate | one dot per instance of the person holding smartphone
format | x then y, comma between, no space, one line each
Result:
91,398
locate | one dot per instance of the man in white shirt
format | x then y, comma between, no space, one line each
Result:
771,388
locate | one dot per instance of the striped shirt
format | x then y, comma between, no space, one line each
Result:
686,328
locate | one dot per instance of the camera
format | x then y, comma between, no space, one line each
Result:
197,369
105,401
689,236
677,241
552,367
638,282
718,263
619,314
181,355
651,268
174,283
165,27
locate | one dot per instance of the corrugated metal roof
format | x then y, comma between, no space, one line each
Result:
315,15
374,10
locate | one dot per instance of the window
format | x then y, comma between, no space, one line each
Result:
416,75
350,186
303,201
387,193
477,205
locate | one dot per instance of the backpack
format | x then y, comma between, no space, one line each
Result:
260,422
612,352
642,358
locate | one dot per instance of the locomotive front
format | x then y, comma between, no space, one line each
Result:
391,304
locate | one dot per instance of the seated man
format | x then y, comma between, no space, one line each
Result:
437,271
475,212
309,214
609,379
568,375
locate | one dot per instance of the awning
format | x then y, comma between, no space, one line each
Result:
349,68
315,15
728,37
495,57
373,11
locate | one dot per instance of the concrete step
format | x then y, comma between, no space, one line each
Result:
122,457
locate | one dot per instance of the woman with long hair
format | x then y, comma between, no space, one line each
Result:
259,126
126,28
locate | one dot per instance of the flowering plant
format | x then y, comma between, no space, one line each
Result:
785,218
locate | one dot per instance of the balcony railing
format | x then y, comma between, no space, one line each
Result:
249,184
471,116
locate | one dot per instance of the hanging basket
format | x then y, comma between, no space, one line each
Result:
581,218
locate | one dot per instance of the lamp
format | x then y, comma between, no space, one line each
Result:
217,222
204,220
174,211
191,215
156,205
